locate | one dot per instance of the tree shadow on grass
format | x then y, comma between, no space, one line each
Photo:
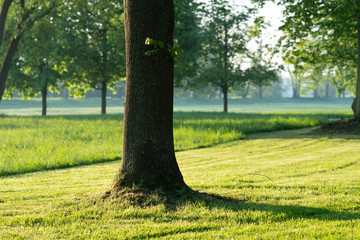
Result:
175,199
286,212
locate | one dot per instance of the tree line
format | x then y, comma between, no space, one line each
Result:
79,46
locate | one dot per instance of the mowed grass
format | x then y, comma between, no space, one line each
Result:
30,144
288,185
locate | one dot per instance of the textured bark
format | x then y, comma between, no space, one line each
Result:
357,104
103,97
148,146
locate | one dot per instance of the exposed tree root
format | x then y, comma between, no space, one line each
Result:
170,197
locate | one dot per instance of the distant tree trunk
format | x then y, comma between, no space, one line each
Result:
327,90
295,91
148,146
64,93
357,105
316,92
344,94
44,93
260,91
225,90
247,89
103,97
211,94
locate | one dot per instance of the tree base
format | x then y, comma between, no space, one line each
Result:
170,197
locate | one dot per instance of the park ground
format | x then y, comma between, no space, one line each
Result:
289,184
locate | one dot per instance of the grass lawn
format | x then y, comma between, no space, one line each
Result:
288,185
31,143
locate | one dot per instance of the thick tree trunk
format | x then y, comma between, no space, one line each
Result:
225,90
357,104
103,97
148,147
44,92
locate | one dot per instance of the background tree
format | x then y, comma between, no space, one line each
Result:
34,69
188,37
27,13
148,149
225,38
94,45
332,28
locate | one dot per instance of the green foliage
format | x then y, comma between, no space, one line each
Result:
34,68
188,36
321,32
93,44
283,185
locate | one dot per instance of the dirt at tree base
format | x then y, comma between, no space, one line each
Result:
350,127
171,198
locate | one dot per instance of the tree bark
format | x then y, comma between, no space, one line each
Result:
357,104
148,147
225,90
44,92
103,97
3,16
5,67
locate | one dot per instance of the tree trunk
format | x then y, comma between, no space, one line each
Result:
260,92
3,16
327,90
11,50
316,92
103,97
357,105
148,148
247,89
44,92
225,93
5,67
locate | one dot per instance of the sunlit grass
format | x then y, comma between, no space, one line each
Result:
289,186
33,143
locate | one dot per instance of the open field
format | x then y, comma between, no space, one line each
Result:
59,106
288,186
30,144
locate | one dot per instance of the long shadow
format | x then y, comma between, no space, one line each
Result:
284,212
11,174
